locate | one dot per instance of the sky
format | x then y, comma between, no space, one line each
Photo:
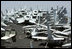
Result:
46,5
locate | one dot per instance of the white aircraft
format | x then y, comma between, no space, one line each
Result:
36,35
30,16
2,19
6,17
11,16
3,24
8,34
63,34
27,17
68,45
39,26
20,20
2,29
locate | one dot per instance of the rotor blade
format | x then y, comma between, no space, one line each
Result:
57,7
30,8
64,11
44,21
51,8
14,9
60,10
2,13
6,11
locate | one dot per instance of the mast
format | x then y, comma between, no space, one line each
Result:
48,30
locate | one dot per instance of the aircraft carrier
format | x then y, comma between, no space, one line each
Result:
24,23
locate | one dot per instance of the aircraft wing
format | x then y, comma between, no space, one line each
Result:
67,44
7,37
20,20
37,37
